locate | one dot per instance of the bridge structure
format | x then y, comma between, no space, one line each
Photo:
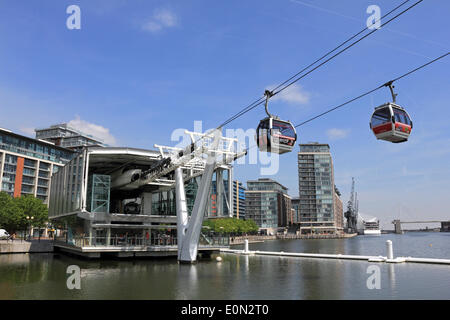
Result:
398,224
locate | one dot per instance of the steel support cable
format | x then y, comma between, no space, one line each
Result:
368,92
261,100
343,43
373,90
243,111
346,48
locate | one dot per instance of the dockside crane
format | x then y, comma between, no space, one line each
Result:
352,210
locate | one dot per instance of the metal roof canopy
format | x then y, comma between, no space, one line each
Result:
110,159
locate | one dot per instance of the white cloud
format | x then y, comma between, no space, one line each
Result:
162,18
28,131
335,134
294,94
93,129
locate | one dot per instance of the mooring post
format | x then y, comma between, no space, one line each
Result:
246,245
390,251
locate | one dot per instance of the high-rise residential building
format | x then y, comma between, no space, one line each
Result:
238,200
319,207
65,136
268,204
27,164
295,206
338,210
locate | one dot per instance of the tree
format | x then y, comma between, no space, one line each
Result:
251,226
337,191
14,212
11,218
5,201
231,225
30,206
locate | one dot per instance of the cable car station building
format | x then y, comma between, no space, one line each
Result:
100,209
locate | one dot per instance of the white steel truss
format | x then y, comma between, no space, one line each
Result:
206,153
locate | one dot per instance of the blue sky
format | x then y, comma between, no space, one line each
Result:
137,70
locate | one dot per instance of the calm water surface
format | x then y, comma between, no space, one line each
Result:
43,276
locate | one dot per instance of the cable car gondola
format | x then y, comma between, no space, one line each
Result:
273,134
390,121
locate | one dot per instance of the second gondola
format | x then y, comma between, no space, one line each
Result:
391,122
273,134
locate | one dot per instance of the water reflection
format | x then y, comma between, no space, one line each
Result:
246,264
392,275
14,259
43,276
186,286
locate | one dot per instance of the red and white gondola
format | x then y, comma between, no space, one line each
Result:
275,135
391,122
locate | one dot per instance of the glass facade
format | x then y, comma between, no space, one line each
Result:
315,147
68,137
265,203
296,206
33,148
26,165
265,184
316,186
238,200
66,185
214,197
163,203
9,174
98,193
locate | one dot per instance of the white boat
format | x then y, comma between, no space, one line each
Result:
368,226
372,232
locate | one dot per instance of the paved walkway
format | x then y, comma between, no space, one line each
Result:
22,246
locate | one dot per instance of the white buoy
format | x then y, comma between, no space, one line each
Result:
390,250
219,259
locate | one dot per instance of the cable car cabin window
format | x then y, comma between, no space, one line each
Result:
402,117
264,124
283,128
381,116
263,132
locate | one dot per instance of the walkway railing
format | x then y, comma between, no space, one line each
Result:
311,236
134,241
214,240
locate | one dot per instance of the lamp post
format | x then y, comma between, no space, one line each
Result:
221,234
29,219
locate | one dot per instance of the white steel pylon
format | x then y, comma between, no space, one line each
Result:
182,213
188,244
188,230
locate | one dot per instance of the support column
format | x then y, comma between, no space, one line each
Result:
189,245
108,236
398,227
219,190
91,237
182,213
231,192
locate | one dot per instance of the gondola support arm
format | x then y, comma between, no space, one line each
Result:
391,87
